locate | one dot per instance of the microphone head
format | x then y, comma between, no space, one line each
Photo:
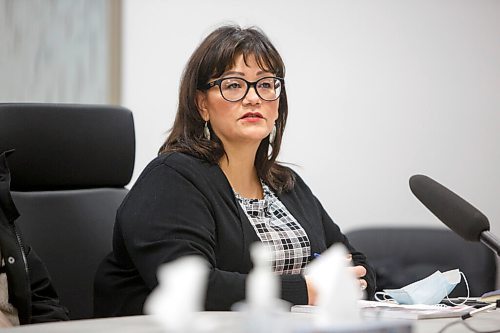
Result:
459,215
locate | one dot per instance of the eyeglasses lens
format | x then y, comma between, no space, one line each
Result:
234,89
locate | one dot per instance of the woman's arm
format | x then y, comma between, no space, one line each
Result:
165,217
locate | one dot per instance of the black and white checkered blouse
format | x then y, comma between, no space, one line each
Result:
277,228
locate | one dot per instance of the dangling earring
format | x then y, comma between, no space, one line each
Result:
206,131
272,136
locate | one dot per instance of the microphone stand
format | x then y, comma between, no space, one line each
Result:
484,308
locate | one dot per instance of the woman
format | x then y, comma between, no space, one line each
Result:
215,187
26,293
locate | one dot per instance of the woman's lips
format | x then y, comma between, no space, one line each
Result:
251,119
252,116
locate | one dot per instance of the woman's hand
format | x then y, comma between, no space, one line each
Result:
358,271
311,291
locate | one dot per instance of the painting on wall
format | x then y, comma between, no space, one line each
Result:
60,51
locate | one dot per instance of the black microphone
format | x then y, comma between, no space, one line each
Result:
459,215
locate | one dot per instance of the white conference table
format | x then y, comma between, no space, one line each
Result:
233,322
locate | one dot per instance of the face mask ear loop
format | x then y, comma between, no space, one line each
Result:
468,293
383,297
379,296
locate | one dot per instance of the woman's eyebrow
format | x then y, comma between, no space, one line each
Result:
241,73
233,73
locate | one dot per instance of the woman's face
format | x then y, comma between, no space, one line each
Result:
243,122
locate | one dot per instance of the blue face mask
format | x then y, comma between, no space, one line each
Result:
430,290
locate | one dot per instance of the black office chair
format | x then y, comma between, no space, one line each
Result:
68,175
401,256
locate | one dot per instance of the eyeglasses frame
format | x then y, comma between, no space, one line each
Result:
253,84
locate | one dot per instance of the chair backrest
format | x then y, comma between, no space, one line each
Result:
69,172
401,256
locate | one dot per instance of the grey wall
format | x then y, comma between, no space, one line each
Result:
56,51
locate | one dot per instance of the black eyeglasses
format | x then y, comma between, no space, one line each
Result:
234,89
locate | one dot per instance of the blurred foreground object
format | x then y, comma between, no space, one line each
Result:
180,293
338,289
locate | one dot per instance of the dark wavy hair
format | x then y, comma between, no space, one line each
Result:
215,55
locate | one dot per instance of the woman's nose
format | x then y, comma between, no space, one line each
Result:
252,97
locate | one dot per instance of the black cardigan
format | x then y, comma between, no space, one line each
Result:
181,205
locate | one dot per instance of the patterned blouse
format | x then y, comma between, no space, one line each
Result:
277,228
